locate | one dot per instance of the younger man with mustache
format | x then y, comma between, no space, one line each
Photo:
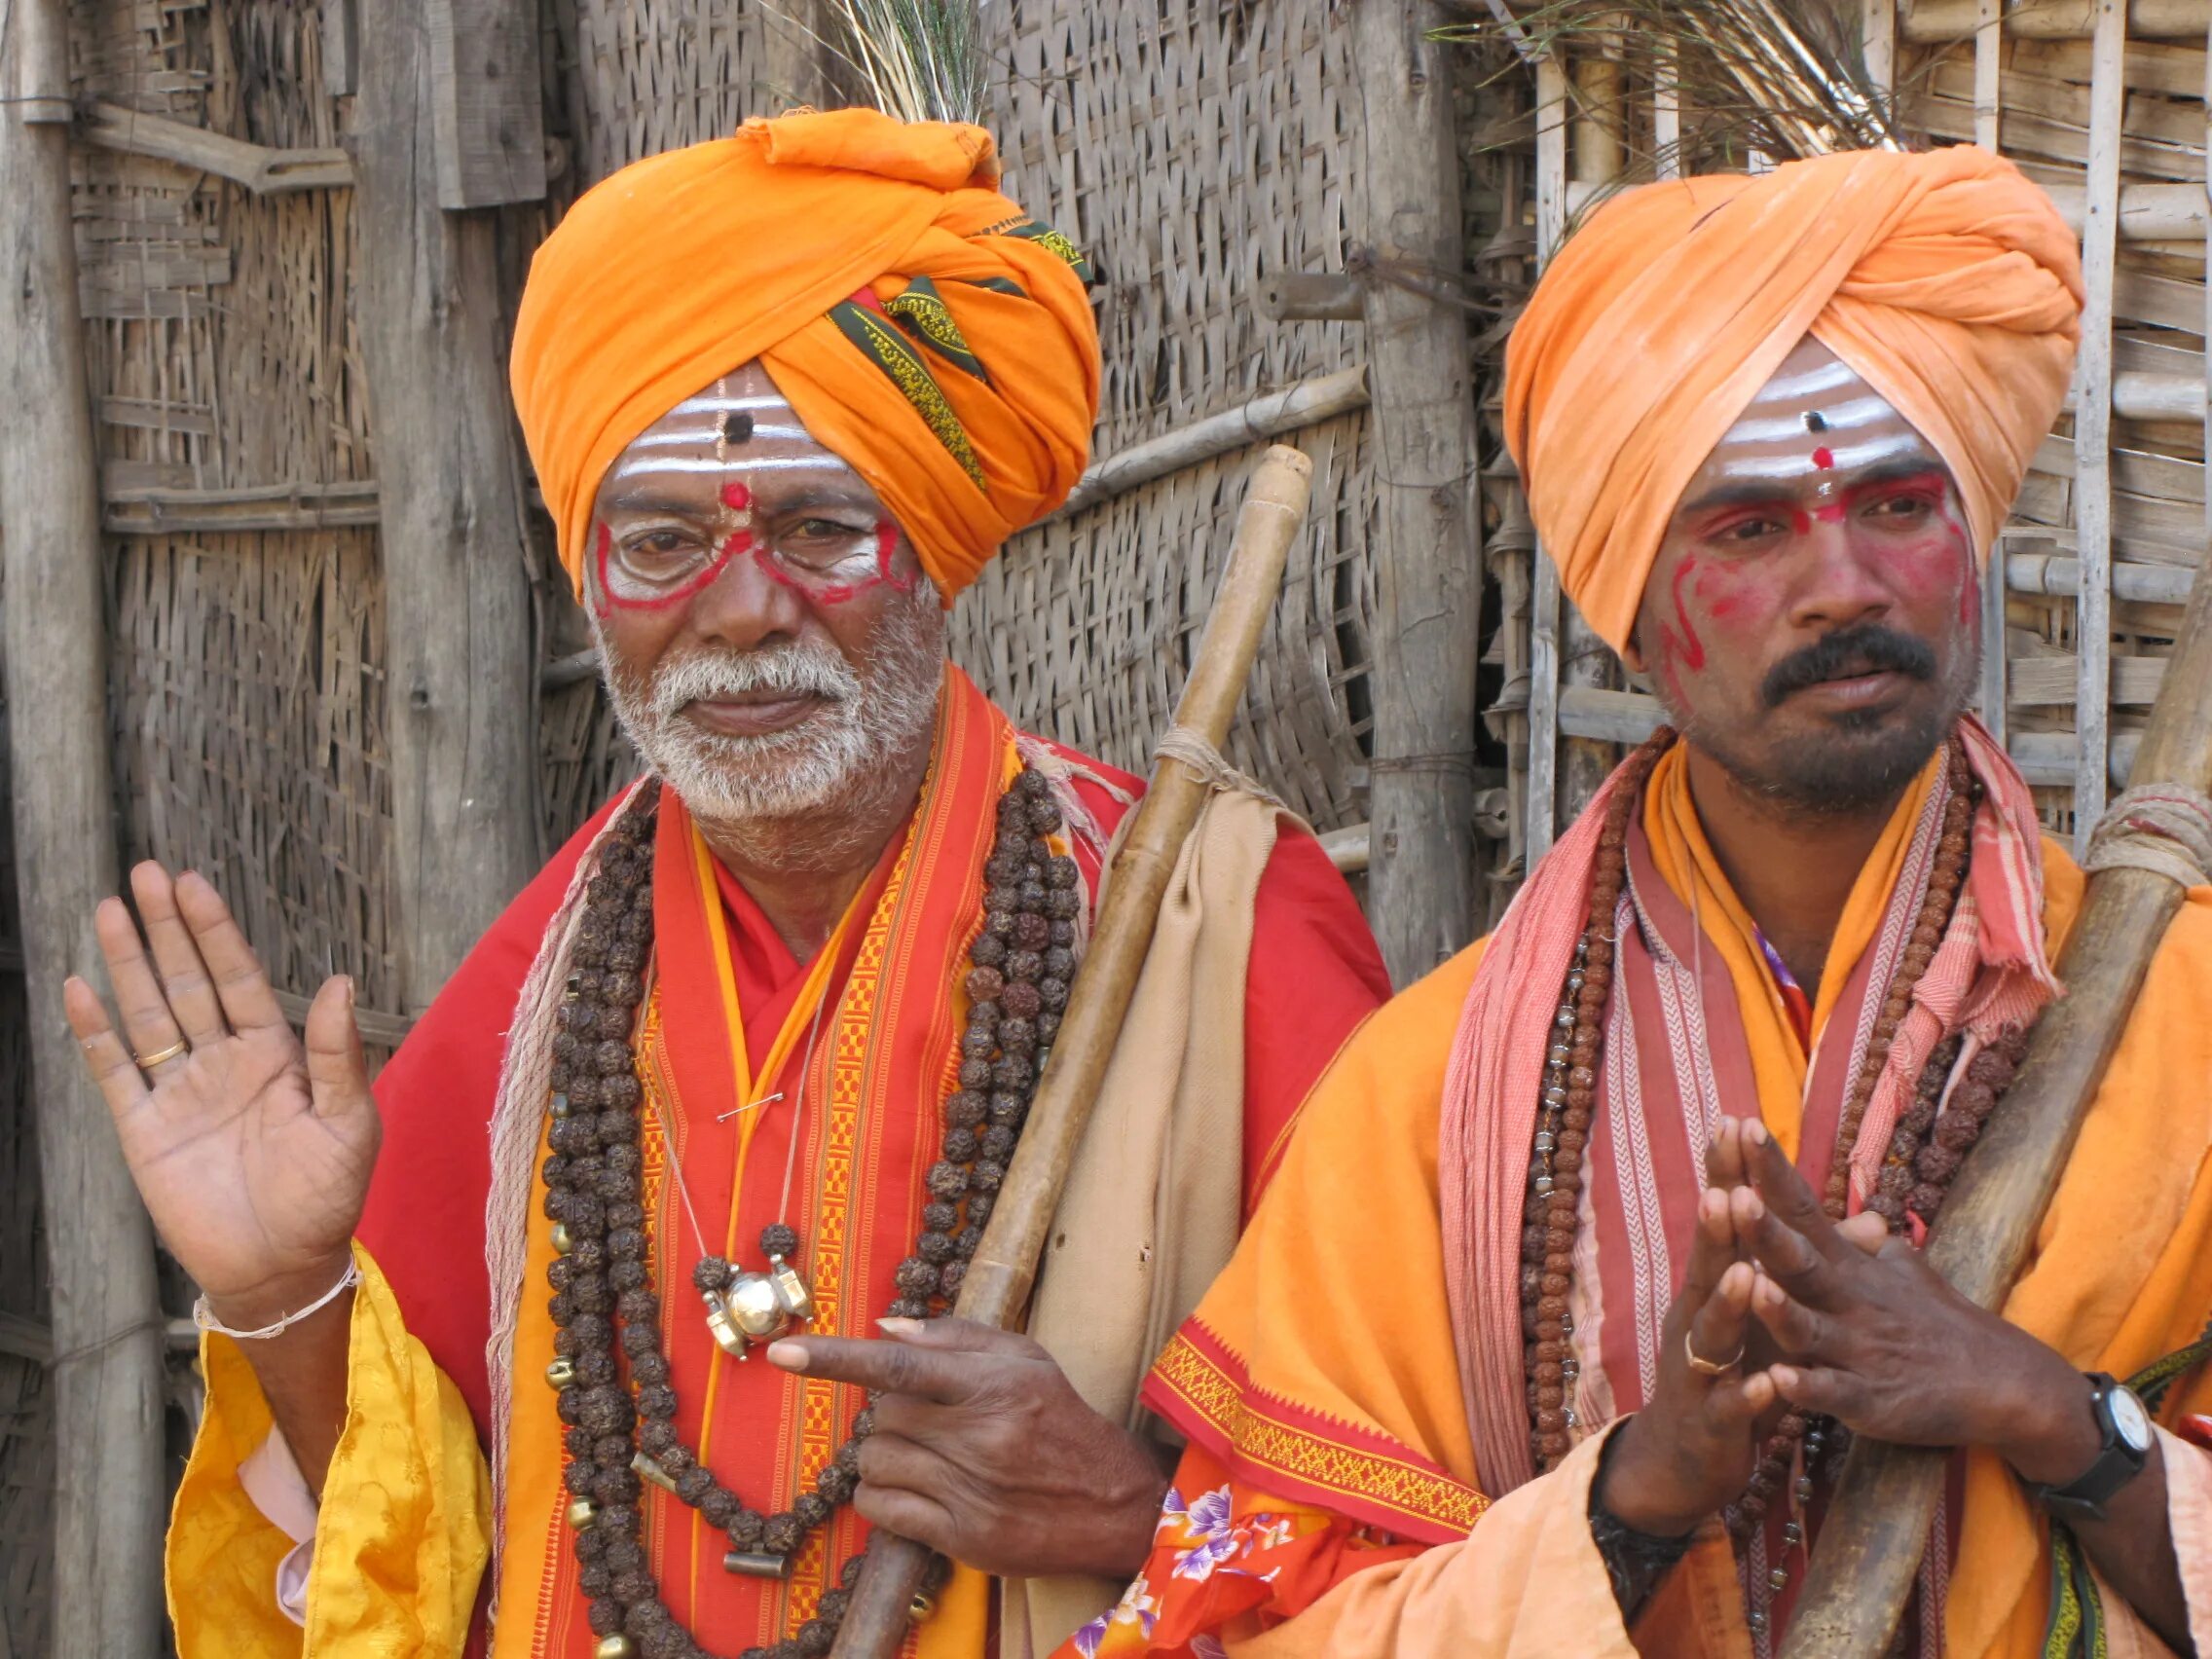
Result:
1593,1248
751,1056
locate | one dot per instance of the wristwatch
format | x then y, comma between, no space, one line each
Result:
2127,1446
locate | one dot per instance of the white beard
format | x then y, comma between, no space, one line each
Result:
838,756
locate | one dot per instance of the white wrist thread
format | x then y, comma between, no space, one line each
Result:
206,1320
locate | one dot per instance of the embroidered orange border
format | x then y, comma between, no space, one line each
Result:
1202,1388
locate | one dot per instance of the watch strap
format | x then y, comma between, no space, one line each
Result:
2085,1496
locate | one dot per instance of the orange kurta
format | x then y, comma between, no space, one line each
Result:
1331,1500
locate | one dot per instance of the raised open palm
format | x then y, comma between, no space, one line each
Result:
252,1149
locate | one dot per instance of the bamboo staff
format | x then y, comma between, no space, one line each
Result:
1871,1543
998,1281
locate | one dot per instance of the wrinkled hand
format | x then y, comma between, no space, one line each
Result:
1693,1446
1876,1338
252,1152
984,1451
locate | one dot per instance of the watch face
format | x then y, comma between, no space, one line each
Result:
2129,1419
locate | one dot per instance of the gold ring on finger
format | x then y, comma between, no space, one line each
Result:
147,1062
1710,1367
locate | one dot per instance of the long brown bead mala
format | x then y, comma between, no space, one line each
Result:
1916,1173
619,1437
1563,1128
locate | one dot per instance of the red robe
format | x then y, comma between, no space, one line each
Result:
1315,974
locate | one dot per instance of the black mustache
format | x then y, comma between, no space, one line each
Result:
1846,653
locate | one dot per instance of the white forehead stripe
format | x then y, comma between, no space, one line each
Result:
1810,383
717,403
671,440
1843,418
638,466
1790,466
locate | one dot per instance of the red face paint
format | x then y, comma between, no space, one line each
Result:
1685,645
739,542
886,544
1823,458
1832,513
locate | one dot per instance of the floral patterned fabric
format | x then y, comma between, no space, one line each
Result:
1228,1554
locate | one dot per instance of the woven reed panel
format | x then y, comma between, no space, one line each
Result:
246,666
2159,308
1189,150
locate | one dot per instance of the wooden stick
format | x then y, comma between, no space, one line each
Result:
103,1493
1870,1544
997,1286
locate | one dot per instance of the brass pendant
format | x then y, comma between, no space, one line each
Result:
727,1337
791,1293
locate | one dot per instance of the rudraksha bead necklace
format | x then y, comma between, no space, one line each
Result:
1916,1175
621,1428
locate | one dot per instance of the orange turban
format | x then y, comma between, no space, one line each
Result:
1947,279
923,327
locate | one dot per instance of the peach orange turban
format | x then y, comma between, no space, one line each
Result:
1947,279
923,327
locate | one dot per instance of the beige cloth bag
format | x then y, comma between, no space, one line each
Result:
1153,1208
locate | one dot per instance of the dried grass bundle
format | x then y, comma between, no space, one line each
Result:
1772,78
920,59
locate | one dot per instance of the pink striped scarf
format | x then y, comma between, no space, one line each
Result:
1989,971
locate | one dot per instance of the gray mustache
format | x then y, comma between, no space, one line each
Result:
792,671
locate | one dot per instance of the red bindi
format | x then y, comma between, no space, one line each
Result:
1823,458
736,497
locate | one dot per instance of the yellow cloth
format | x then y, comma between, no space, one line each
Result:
1947,279
962,386
404,1528
1336,1305
1685,862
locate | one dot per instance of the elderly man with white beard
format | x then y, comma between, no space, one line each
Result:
744,1064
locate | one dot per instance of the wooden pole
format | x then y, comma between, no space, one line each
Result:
1546,602
108,1500
461,675
1421,894
2092,418
1598,155
996,1288
1862,1571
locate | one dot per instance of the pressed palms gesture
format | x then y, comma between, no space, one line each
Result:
252,1151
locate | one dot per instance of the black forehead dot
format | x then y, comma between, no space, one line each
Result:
737,427
1814,421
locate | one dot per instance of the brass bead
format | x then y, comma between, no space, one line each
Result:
792,1294
561,1372
582,1512
921,1607
561,1107
727,1337
563,1239
616,1646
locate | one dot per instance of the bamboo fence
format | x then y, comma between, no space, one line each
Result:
1212,157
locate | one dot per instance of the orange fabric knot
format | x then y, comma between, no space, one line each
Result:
964,394
1947,279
